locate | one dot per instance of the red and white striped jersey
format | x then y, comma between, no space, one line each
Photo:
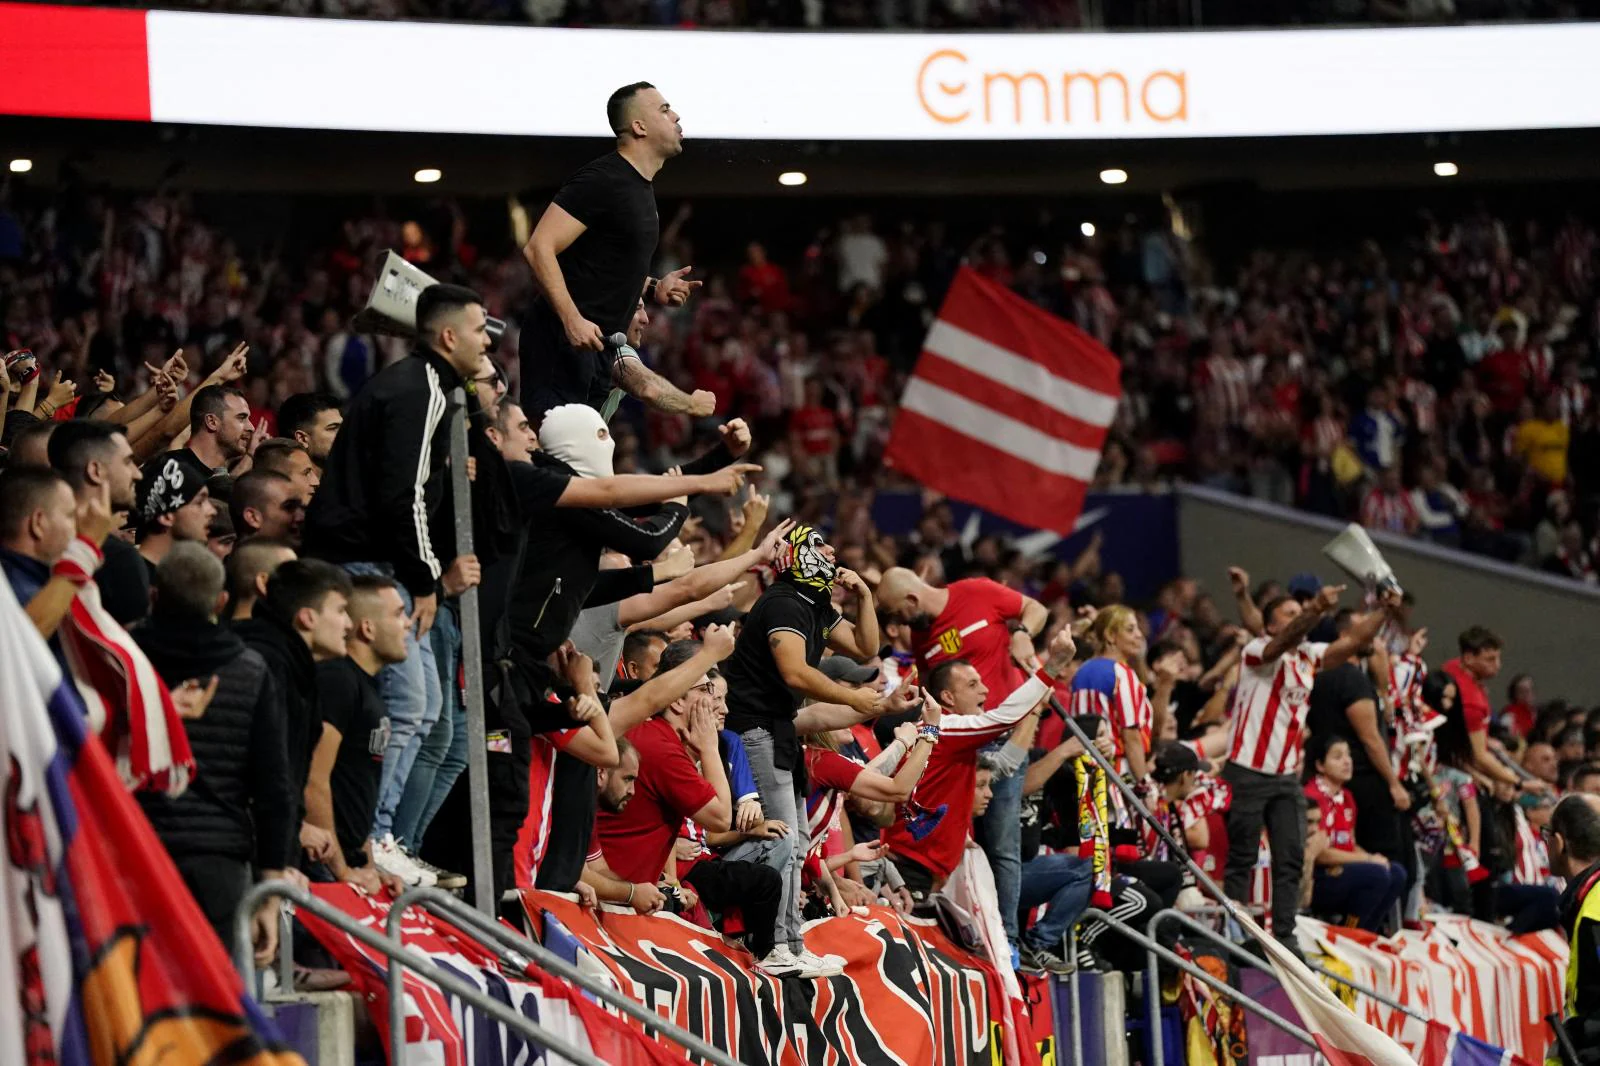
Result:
1424,401
1575,400
1267,731
1532,866
534,835
1227,380
1110,689
1388,511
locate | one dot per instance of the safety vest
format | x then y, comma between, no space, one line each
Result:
1588,910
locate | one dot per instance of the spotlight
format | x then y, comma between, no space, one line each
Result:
792,177
1087,229
1114,176
21,166
1446,169
427,175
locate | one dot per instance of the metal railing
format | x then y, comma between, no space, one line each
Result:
492,932
1189,922
1152,991
399,956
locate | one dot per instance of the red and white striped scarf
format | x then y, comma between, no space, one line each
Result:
128,704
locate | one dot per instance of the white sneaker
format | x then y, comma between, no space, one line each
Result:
441,877
780,962
387,856
814,965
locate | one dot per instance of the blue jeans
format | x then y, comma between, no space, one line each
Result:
780,800
1530,907
1064,883
999,834
1365,891
443,754
413,699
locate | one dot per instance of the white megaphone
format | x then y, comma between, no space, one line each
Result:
1357,556
392,306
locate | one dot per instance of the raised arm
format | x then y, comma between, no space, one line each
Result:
654,695
1249,613
859,637
1296,631
636,379
1360,634
636,490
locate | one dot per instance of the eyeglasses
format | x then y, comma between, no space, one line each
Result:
709,688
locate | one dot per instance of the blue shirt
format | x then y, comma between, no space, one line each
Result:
26,574
741,782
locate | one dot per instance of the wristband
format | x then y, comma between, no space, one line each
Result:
929,733
1049,682
629,900
649,289
79,562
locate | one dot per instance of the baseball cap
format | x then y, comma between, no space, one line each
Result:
168,482
1304,584
1173,760
845,670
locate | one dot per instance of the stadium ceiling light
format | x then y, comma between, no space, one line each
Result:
1446,169
1087,229
1114,176
792,177
428,175
21,166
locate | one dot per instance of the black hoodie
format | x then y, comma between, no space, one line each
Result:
288,658
241,803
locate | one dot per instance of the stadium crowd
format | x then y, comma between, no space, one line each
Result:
910,14
244,553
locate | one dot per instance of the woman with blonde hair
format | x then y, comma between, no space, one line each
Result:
1112,686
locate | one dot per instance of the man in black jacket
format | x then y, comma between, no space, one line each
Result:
384,489
301,621
94,457
239,813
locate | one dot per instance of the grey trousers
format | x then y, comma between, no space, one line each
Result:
780,799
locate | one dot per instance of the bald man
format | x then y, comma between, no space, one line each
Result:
590,255
991,627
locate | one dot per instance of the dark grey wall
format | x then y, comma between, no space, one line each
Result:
1551,626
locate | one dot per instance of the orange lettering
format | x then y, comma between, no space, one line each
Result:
1180,82
948,90
1016,82
1094,80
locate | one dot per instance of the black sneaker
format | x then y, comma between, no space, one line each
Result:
1043,960
446,879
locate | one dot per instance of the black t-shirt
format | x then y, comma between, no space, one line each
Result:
1331,695
757,696
124,581
571,824
538,488
352,705
606,266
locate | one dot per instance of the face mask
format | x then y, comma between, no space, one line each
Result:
808,567
572,433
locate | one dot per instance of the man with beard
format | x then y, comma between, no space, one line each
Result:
590,255
614,790
772,668
313,419
95,457
992,628
175,505
219,426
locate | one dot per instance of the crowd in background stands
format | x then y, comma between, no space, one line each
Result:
1464,360
912,14
1436,383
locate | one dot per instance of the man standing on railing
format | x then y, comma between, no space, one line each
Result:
590,255
1267,742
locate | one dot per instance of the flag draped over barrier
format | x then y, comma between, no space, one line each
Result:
1008,407
108,960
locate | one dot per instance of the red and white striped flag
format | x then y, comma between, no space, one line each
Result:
1008,407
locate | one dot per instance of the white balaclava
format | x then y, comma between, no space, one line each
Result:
577,435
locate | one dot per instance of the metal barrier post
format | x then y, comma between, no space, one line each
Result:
1174,959
464,990
1156,1039
452,909
472,662
1077,1003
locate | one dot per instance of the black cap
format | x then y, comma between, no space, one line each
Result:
1173,760
168,482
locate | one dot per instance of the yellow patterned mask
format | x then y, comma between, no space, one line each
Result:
806,565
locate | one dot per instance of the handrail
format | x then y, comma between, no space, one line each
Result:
1153,993
451,908
398,955
1173,915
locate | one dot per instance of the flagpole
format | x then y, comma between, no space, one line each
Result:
472,660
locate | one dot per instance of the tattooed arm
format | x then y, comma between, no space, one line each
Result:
636,379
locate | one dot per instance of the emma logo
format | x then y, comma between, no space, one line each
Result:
952,91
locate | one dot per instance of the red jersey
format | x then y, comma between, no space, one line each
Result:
1338,809
815,427
534,836
831,776
952,774
974,626
1469,693
1268,727
638,841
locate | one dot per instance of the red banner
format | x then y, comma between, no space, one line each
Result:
907,995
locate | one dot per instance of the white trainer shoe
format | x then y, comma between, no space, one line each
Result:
814,965
388,857
780,962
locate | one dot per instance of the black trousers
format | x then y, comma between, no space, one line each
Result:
218,883
755,888
1276,802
